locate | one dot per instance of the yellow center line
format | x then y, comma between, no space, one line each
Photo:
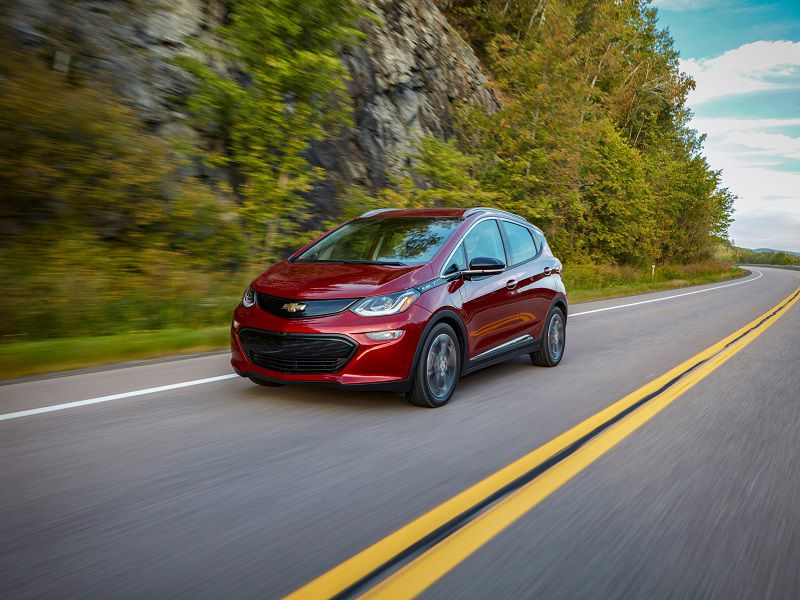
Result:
438,560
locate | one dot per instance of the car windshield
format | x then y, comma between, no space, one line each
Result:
393,241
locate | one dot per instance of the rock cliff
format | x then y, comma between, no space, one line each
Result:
405,79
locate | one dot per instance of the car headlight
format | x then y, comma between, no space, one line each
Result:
390,304
249,298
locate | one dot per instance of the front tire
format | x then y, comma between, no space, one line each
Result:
438,368
553,340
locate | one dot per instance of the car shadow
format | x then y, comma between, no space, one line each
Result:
510,368
329,397
310,395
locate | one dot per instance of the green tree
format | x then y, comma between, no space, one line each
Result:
449,176
278,85
622,228
100,226
441,175
75,160
593,140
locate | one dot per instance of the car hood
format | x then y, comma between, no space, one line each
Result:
308,281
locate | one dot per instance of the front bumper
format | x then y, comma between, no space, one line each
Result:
378,365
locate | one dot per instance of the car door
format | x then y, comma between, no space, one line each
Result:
533,269
490,307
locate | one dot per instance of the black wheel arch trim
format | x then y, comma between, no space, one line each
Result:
560,299
442,315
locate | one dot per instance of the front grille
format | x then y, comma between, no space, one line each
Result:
297,353
302,309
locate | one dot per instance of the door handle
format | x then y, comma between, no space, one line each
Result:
547,271
511,284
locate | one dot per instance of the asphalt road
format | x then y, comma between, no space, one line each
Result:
227,489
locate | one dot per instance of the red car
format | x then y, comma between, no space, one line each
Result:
405,301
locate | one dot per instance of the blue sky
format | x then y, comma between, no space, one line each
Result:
745,58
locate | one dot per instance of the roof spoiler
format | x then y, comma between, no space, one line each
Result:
377,211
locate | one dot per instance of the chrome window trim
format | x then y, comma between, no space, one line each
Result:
514,217
479,209
516,340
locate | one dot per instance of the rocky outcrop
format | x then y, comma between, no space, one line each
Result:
405,79
126,44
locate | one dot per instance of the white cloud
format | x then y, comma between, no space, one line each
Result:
768,204
766,144
759,158
723,125
748,68
748,159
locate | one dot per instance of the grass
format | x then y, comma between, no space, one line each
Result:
18,359
584,283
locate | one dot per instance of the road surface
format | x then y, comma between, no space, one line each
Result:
225,489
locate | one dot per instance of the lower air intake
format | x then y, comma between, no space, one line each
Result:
297,353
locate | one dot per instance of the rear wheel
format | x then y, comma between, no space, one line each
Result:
438,368
265,382
553,340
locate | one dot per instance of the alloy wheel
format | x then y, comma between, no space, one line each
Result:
441,364
555,337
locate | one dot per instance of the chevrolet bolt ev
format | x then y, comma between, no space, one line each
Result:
404,301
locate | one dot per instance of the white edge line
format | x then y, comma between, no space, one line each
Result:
596,310
184,384
153,390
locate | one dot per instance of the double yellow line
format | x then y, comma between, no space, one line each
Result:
451,532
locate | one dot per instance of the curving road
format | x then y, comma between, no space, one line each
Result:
221,488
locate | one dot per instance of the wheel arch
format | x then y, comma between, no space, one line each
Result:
560,302
453,320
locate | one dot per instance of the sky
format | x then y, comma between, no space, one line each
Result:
745,58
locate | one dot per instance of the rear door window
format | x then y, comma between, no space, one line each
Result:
520,241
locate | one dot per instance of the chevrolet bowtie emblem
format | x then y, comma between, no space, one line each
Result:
293,307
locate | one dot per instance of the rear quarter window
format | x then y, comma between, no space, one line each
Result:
541,242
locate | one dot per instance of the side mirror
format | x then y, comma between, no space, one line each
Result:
484,266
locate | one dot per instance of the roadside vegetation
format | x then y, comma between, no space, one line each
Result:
766,257
109,230
19,359
598,282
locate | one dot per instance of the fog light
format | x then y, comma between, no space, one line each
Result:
382,336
